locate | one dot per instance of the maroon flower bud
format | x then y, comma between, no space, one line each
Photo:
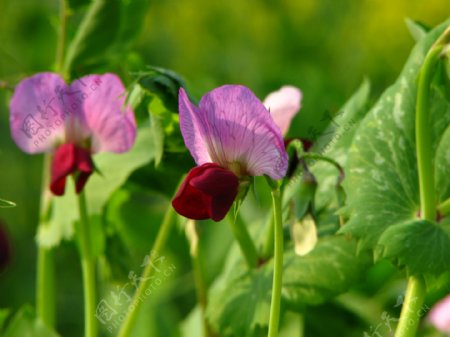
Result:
68,159
207,193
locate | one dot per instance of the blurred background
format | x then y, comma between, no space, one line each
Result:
324,47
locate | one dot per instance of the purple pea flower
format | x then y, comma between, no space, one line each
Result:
72,121
230,135
283,105
440,315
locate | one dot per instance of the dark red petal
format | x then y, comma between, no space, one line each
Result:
207,192
68,159
63,164
84,166
222,185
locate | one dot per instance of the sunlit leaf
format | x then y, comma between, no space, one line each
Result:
382,179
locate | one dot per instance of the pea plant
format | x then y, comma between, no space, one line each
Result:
203,218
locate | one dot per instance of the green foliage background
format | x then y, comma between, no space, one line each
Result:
324,47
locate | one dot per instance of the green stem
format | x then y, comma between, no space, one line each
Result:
244,240
60,48
88,270
199,279
444,208
416,290
160,242
45,296
267,251
410,315
278,264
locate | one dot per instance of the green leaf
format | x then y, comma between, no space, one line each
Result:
329,270
336,142
132,17
382,180
163,83
442,167
157,111
240,305
115,169
6,204
423,247
239,302
96,33
26,324
4,314
417,29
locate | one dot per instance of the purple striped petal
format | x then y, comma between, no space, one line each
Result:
192,132
232,126
283,105
111,124
37,113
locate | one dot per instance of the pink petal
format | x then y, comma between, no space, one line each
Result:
103,115
191,129
283,105
37,113
440,315
240,134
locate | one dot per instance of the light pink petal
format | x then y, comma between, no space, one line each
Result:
240,134
283,105
440,315
192,130
103,115
37,114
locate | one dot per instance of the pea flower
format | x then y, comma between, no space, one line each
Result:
283,105
231,136
440,315
72,121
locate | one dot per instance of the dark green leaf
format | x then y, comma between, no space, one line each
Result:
328,270
421,246
96,33
163,83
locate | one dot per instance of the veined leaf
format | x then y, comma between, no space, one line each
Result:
420,245
382,179
25,323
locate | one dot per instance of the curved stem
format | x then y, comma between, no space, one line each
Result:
45,296
278,264
316,156
160,242
88,270
244,240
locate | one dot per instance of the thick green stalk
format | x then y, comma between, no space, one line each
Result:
244,240
416,289
88,270
45,296
274,319
158,246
